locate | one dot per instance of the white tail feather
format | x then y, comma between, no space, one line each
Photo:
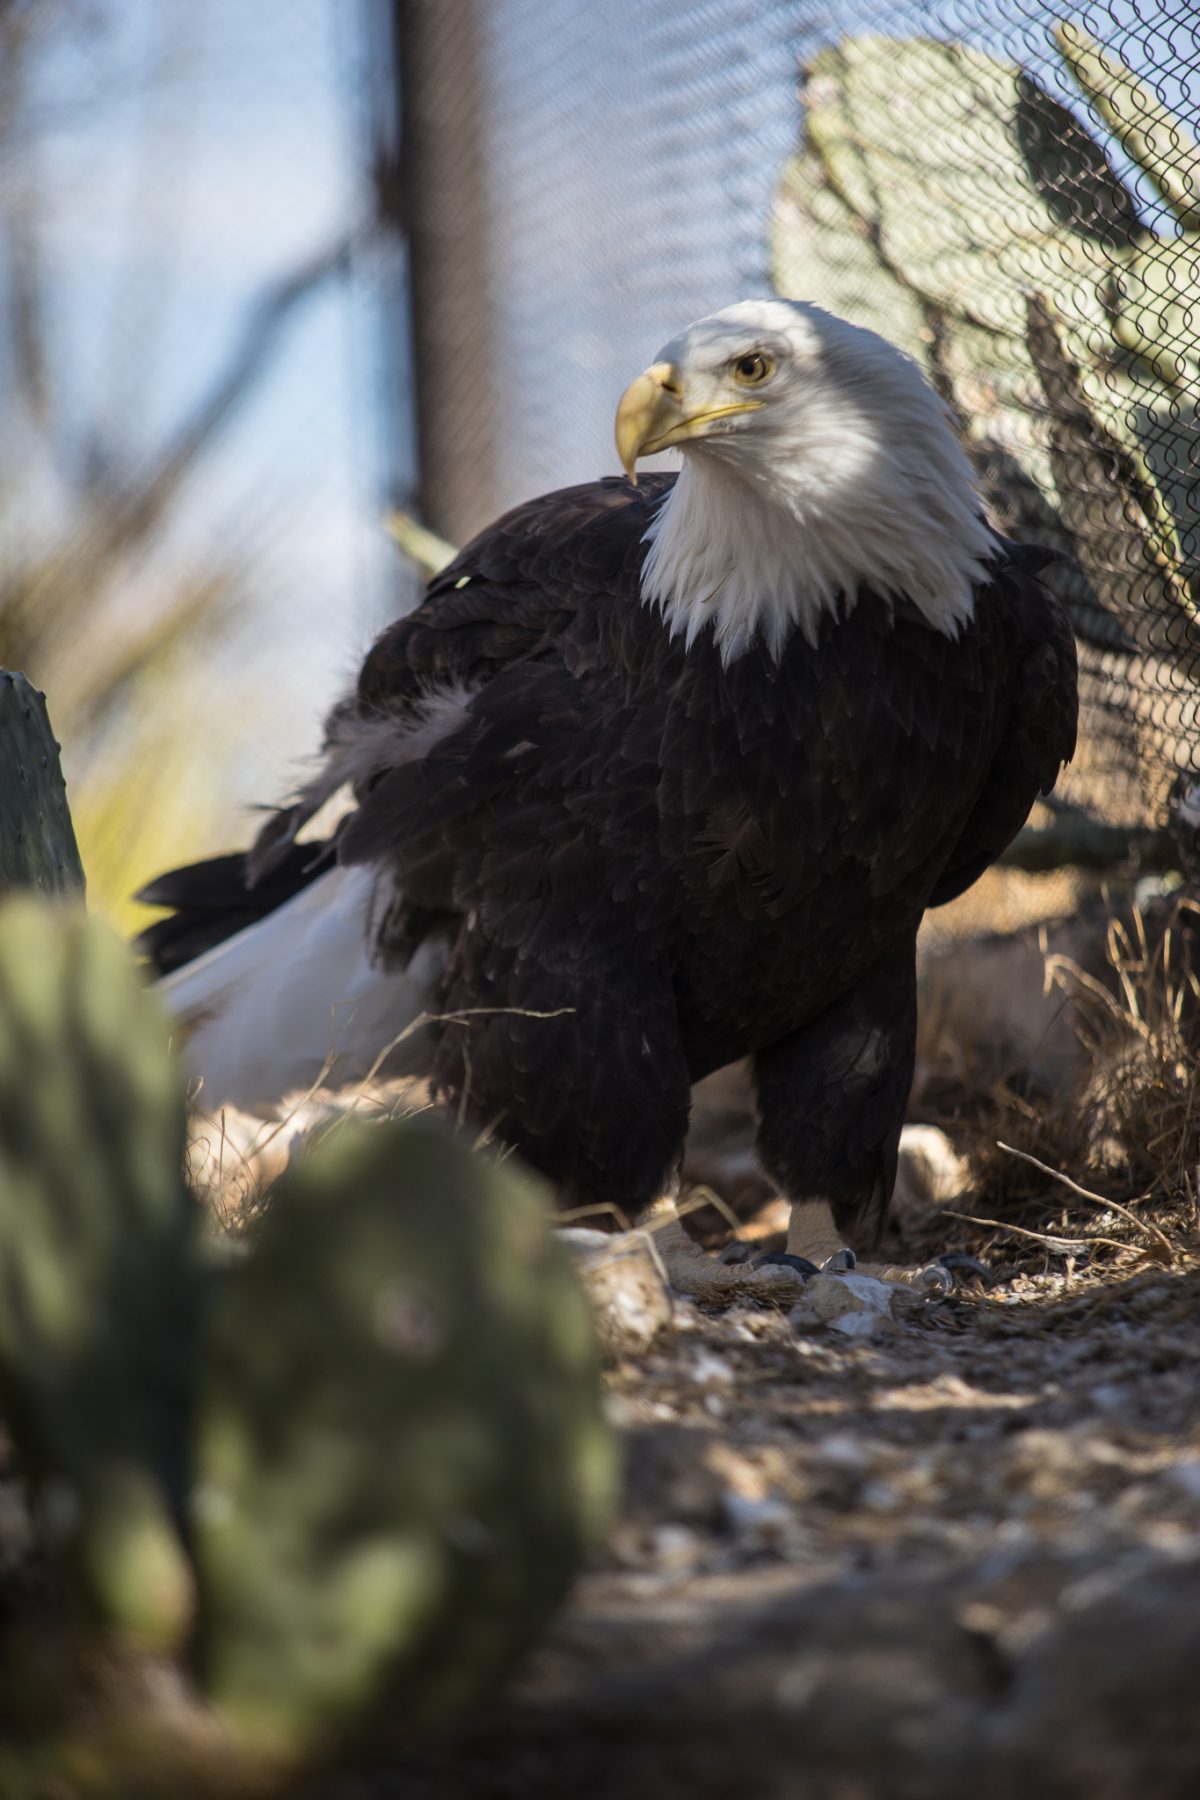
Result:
294,1000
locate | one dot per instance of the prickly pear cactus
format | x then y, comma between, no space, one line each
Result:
37,840
401,1457
940,194
352,1466
96,1274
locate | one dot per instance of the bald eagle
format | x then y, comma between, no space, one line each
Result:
659,775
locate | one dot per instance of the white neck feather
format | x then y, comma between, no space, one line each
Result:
766,548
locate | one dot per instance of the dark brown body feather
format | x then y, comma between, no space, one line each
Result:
688,863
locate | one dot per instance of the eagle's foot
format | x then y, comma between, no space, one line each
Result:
940,1276
920,1278
721,1280
813,1238
927,1278
814,1247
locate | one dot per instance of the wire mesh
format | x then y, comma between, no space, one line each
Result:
256,265
1009,190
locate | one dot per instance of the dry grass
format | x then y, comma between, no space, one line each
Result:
1097,1181
1103,1177
234,1159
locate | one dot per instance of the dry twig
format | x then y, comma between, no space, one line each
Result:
1151,1231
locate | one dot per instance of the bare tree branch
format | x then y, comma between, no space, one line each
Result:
38,600
138,509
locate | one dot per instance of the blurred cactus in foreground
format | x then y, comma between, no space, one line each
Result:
350,1465
37,839
95,1257
400,1449
945,198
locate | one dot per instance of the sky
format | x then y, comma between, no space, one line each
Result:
187,157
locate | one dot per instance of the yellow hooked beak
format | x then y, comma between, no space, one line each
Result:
653,415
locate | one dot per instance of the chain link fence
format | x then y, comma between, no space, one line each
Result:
262,270
1009,191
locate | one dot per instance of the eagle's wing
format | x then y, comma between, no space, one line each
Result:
1040,734
524,591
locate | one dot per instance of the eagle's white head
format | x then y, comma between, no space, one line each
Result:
817,460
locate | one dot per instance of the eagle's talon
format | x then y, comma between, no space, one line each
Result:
785,1260
956,1262
842,1262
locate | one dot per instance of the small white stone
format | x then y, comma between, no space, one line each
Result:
929,1175
858,1324
856,1305
711,1371
626,1286
1186,1475
675,1547
757,1518
842,1449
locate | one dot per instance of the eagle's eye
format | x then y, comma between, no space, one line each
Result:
752,368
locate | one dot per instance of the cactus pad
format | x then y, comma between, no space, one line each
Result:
354,1467
401,1456
941,194
95,1248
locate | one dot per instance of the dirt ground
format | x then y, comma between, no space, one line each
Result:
962,1558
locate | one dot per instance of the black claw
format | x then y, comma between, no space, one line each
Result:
783,1259
956,1263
